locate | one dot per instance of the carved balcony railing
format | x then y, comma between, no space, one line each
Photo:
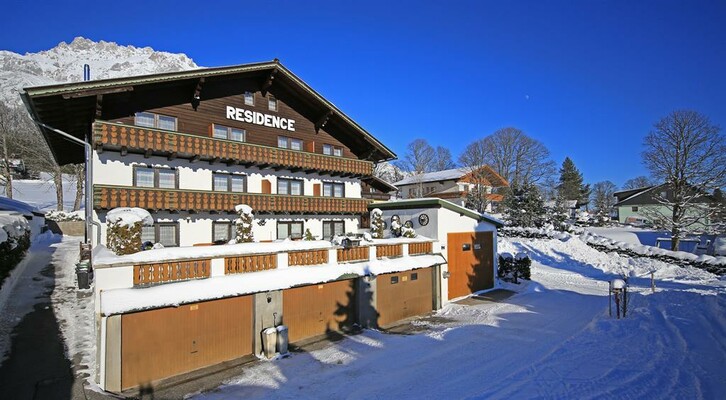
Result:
150,141
108,197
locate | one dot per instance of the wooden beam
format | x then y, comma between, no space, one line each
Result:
171,156
95,92
231,162
148,153
323,120
268,82
99,106
99,147
214,160
124,151
194,159
197,96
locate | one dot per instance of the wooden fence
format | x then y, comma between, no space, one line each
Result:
389,250
149,274
307,257
420,248
250,263
354,254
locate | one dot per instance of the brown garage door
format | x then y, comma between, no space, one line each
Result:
404,294
471,262
161,343
314,310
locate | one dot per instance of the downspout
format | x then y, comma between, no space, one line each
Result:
89,168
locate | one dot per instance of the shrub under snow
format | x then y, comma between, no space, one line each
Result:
123,230
377,223
14,242
244,224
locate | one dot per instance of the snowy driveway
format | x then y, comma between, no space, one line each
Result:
553,340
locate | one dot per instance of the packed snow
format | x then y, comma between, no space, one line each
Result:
553,339
40,193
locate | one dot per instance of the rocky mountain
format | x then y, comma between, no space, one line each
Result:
64,63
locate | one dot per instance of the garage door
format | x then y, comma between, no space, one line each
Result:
403,295
161,343
471,262
314,310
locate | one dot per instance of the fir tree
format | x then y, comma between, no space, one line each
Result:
571,186
524,206
308,235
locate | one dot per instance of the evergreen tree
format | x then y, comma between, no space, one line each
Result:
571,186
559,213
377,223
244,224
524,206
308,235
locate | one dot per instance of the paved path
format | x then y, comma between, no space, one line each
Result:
36,366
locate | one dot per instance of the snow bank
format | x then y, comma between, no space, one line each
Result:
128,216
118,301
12,226
63,216
650,251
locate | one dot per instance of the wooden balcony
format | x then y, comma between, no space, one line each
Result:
108,197
149,141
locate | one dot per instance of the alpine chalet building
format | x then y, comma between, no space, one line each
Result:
190,146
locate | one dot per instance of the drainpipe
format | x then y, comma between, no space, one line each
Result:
89,168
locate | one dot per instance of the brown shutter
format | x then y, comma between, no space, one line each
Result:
266,186
316,189
310,146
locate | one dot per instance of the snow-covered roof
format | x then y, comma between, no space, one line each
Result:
104,257
19,206
117,301
428,202
445,175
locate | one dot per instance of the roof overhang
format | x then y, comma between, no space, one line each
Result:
72,107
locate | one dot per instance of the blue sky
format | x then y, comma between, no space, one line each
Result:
587,78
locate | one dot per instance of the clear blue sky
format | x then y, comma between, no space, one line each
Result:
587,78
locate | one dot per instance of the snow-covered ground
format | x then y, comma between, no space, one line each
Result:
41,192
629,234
554,339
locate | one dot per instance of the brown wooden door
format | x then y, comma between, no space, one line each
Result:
471,262
316,190
315,310
161,343
403,295
266,186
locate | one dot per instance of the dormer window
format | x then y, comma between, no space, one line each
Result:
272,103
151,120
249,99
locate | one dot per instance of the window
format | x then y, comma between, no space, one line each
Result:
292,187
272,103
163,178
414,276
249,99
333,189
332,228
151,120
166,233
291,229
635,208
229,133
330,150
221,231
222,182
289,143
394,280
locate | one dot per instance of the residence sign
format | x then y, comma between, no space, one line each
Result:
258,118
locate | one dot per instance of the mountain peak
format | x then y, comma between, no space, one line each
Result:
64,63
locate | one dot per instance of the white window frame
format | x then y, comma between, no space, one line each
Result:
229,131
156,120
272,103
251,98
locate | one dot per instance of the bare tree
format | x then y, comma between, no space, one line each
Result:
443,159
80,177
638,182
474,160
688,154
419,159
517,157
602,197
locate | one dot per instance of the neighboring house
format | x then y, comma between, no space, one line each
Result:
189,147
573,206
639,206
452,185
